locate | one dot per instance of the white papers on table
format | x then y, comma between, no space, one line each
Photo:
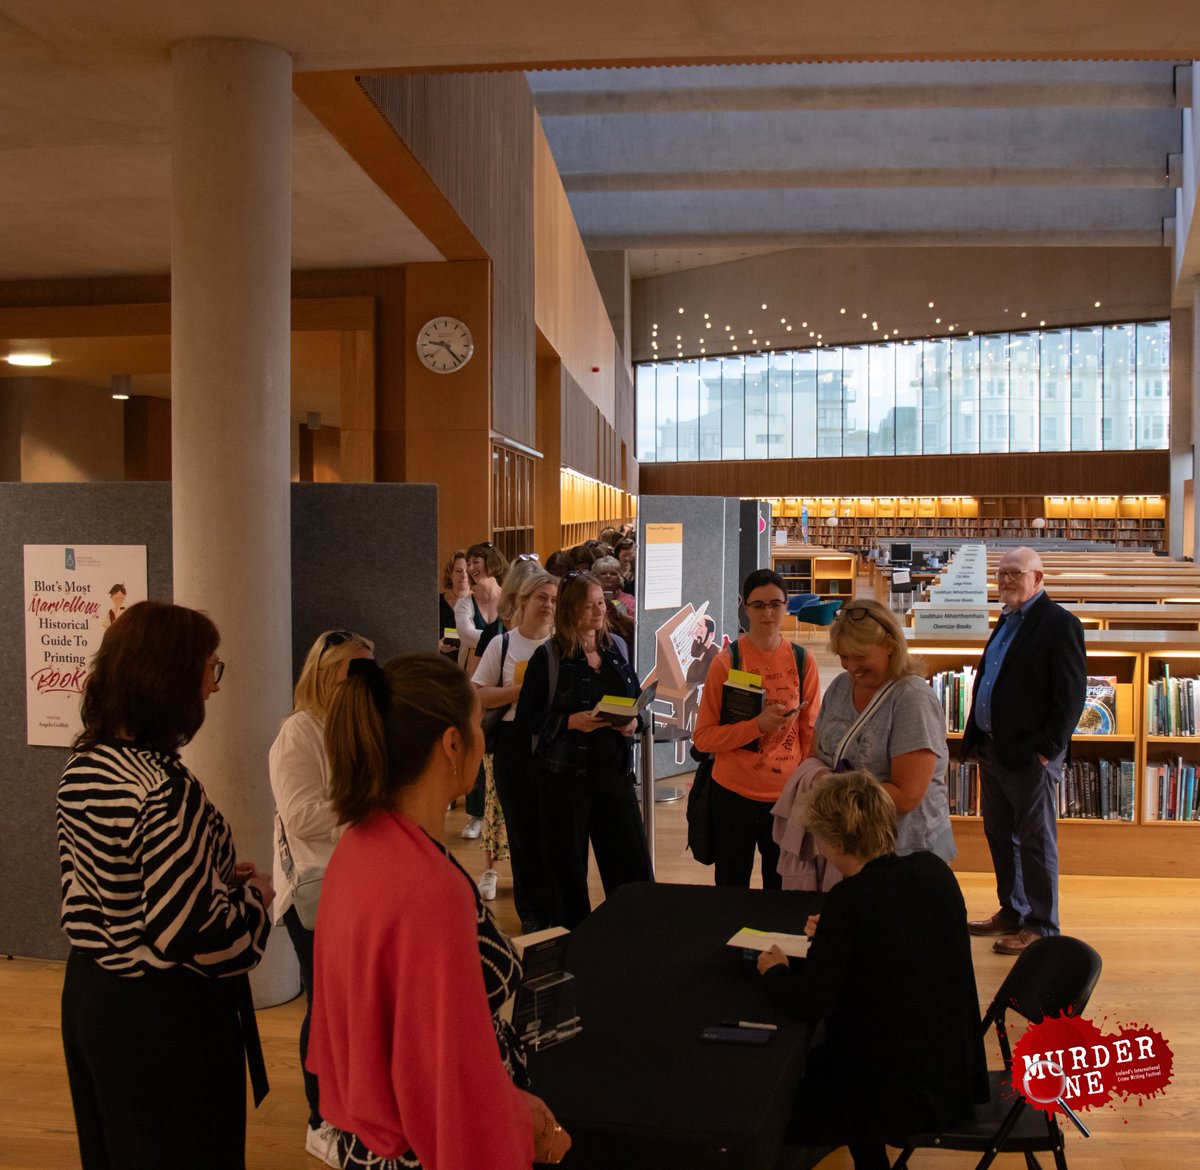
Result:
793,945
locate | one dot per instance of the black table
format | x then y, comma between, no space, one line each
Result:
637,1087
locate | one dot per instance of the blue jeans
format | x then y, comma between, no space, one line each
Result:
302,944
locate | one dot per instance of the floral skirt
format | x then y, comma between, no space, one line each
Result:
494,838
356,1156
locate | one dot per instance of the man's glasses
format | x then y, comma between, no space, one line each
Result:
860,613
763,606
1011,574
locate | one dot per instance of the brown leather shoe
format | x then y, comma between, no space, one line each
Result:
999,923
1014,944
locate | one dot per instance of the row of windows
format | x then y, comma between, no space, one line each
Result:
1096,388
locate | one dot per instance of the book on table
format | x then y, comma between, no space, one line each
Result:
543,1011
743,697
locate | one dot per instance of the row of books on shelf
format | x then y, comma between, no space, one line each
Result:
1171,792
1172,705
953,689
1100,790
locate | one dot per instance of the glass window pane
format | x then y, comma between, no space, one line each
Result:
689,411
882,397
964,395
907,422
779,405
1153,384
1056,390
757,422
829,403
804,404
1086,345
1023,392
710,408
935,397
993,393
668,412
1119,392
733,418
855,399
646,446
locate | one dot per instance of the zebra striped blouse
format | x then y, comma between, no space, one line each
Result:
148,868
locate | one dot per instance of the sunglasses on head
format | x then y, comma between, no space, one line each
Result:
335,638
860,613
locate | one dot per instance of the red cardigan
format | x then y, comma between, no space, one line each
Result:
401,1037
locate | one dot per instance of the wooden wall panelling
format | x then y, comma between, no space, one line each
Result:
357,446
1076,473
547,489
147,438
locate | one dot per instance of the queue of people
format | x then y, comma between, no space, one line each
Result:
407,1058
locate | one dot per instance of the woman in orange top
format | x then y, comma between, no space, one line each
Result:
753,759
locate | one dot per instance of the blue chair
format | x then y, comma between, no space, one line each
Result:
818,613
797,601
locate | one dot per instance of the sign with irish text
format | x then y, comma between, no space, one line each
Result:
73,593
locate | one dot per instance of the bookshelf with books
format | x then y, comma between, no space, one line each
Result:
1124,785
826,572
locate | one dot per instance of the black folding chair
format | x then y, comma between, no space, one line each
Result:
1054,976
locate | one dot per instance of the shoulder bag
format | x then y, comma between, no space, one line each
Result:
305,883
494,716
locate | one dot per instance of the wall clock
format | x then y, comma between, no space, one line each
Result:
445,344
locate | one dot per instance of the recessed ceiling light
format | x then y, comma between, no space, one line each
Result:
1097,305
931,304
706,316
121,397
29,359
864,316
789,329
841,310
764,305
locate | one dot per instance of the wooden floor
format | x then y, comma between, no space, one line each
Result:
1146,929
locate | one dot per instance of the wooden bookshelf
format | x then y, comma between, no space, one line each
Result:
806,569
865,521
1142,846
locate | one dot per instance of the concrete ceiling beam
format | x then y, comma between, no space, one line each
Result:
771,240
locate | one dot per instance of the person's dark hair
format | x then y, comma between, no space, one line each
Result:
610,535
146,681
118,588
581,556
384,723
558,563
758,579
568,614
624,543
494,561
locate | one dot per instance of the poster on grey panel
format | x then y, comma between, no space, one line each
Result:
73,593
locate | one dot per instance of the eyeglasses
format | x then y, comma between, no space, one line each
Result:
218,670
1011,574
860,613
760,606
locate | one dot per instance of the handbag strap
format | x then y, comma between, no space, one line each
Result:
860,722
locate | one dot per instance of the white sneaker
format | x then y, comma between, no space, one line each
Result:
472,828
322,1143
487,885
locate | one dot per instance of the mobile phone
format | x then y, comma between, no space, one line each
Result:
724,1034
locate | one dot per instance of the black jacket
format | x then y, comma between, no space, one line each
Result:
1039,693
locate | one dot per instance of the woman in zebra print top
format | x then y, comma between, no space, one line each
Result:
163,921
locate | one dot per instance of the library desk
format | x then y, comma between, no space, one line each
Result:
638,1088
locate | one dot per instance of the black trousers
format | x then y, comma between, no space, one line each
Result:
157,1069
512,763
739,825
302,944
573,813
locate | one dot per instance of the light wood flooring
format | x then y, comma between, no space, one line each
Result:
1146,929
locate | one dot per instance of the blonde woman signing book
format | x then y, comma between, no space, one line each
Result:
754,757
307,829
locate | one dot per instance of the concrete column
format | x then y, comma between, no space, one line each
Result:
230,443
1194,383
1178,518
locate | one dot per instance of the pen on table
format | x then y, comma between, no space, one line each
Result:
749,1024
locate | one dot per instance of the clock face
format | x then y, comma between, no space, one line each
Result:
445,344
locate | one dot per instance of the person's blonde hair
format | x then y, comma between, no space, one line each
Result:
528,583
508,607
853,629
318,677
852,812
384,724
448,569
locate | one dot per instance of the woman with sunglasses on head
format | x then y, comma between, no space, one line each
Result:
582,764
163,921
456,584
306,829
754,758
415,1065
881,716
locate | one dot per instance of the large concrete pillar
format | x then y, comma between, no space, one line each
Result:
1179,515
230,389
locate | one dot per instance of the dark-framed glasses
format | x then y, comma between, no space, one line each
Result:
766,606
860,613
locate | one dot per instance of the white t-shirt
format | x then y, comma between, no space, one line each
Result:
487,673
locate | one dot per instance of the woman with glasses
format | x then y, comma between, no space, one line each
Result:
306,829
582,764
881,716
163,920
417,1067
754,758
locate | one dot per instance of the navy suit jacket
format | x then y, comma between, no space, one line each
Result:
1039,692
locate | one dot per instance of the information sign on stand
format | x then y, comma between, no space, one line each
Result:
957,605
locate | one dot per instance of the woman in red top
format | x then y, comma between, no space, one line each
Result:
754,758
416,1068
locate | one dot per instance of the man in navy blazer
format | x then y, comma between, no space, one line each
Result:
1028,696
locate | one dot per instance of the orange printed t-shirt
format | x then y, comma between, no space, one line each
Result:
759,775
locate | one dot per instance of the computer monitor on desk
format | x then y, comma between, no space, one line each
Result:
901,554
